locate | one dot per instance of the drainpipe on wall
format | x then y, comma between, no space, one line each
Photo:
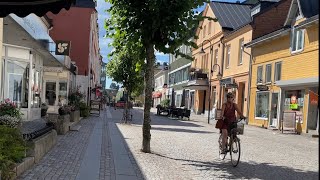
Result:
222,66
249,83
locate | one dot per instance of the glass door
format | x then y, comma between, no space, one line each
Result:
274,110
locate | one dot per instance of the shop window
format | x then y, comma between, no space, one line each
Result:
294,101
18,83
36,82
62,99
297,40
277,74
262,105
268,73
178,100
259,74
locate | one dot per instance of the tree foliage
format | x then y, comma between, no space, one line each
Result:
161,25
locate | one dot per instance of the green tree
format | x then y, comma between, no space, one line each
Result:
163,25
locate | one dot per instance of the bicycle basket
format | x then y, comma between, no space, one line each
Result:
240,128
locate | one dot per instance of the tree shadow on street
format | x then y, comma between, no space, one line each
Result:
180,130
248,170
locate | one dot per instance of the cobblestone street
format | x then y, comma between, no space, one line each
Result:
189,150
180,150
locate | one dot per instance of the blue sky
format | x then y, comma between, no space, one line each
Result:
103,42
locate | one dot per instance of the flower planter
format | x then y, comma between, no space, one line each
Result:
60,123
75,116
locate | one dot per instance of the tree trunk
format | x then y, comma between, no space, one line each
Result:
148,76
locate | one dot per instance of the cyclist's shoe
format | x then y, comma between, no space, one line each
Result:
224,151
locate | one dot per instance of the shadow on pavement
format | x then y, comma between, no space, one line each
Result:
249,170
181,130
160,120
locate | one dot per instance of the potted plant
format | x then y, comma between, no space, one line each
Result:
10,115
75,113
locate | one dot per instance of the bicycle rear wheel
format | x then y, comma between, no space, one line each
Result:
235,151
221,156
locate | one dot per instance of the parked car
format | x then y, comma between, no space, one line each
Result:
121,104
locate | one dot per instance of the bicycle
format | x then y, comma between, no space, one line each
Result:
233,144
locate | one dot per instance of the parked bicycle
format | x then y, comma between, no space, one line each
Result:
233,143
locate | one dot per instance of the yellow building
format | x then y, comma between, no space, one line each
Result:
285,71
220,51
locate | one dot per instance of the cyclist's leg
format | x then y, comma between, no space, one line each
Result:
224,139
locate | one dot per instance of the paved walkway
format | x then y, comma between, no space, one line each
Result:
106,149
96,151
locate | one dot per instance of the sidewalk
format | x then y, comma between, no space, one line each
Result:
96,151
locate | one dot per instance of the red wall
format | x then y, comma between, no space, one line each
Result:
74,26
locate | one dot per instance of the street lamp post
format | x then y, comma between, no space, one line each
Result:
219,75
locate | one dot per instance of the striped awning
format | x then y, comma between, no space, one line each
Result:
23,8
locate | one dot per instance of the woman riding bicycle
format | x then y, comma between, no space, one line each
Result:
229,118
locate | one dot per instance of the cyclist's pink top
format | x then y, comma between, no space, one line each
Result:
229,113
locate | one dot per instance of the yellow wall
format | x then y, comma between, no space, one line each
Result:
294,66
234,40
1,41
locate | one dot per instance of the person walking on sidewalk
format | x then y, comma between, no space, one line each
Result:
229,109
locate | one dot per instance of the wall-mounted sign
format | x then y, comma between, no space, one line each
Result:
52,69
314,98
262,87
226,81
63,48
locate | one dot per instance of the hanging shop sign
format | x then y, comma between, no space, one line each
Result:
262,87
63,48
314,98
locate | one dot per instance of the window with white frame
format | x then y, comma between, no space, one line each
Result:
277,73
215,59
259,74
241,51
262,105
204,31
268,73
210,24
228,56
297,40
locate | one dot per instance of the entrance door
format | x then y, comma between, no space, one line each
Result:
191,106
204,101
51,93
274,110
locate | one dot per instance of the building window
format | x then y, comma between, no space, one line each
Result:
204,31
294,101
202,61
17,83
178,100
207,62
277,74
209,30
262,105
228,56
62,99
215,61
297,40
259,74
268,73
241,51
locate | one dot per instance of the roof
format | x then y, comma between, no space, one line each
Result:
39,8
85,4
231,15
309,8
273,34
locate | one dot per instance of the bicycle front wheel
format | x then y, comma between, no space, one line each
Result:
235,151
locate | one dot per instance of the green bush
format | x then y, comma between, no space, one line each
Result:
12,150
84,109
165,103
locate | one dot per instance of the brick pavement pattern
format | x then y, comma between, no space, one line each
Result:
189,150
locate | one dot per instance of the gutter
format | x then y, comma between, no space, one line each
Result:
221,71
307,23
249,84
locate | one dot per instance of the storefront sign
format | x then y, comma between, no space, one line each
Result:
313,98
63,48
52,69
262,87
226,81
218,114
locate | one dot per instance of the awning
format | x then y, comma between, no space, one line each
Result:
304,82
156,95
23,8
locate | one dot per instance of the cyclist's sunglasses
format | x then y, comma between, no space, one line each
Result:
230,97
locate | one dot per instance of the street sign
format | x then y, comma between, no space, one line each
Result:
262,87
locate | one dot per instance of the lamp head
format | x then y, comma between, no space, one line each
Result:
219,76
202,51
